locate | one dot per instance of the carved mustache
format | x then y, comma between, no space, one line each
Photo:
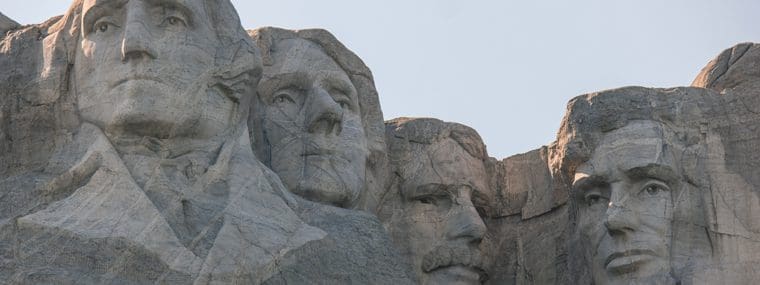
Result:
445,256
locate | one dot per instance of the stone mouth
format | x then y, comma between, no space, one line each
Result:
628,260
137,78
318,151
463,272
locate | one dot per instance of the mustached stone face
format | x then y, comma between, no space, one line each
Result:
440,224
312,122
143,67
625,198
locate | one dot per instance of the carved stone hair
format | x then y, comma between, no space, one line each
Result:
236,54
402,131
406,137
590,117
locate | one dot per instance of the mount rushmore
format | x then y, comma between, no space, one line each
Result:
159,142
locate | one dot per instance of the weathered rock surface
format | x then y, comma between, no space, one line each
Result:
356,250
117,189
436,203
316,118
530,221
317,123
139,147
651,176
6,24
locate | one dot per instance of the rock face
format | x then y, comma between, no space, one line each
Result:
153,178
163,144
654,196
435,206
6,24
317,120
529,219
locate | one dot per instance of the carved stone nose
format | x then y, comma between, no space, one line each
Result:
137,42
325,116
466,223
619,220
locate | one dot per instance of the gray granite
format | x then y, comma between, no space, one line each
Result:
159,143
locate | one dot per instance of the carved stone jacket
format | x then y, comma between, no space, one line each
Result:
100,227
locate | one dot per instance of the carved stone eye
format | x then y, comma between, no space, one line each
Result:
282,98
593,199
102,27
426,200
654,189
174,21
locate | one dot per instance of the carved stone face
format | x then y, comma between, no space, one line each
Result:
625,203
313,124
440,227
143,68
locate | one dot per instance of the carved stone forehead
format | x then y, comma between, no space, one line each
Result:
291,55
638,144
194,6
446,162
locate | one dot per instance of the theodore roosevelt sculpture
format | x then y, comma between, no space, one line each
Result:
440,190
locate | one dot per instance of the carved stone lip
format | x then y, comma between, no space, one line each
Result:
137,77
469,272
637,254
317,151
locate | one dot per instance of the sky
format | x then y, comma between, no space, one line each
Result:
505,68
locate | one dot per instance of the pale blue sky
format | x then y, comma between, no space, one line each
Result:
505,68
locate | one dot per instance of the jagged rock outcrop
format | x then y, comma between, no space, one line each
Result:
6,24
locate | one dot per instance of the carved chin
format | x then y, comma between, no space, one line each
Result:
454,275
326,179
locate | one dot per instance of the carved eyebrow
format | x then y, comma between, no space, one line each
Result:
99,9
342,85
102,6
178,5
425,189
589,182
282,80
656,171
